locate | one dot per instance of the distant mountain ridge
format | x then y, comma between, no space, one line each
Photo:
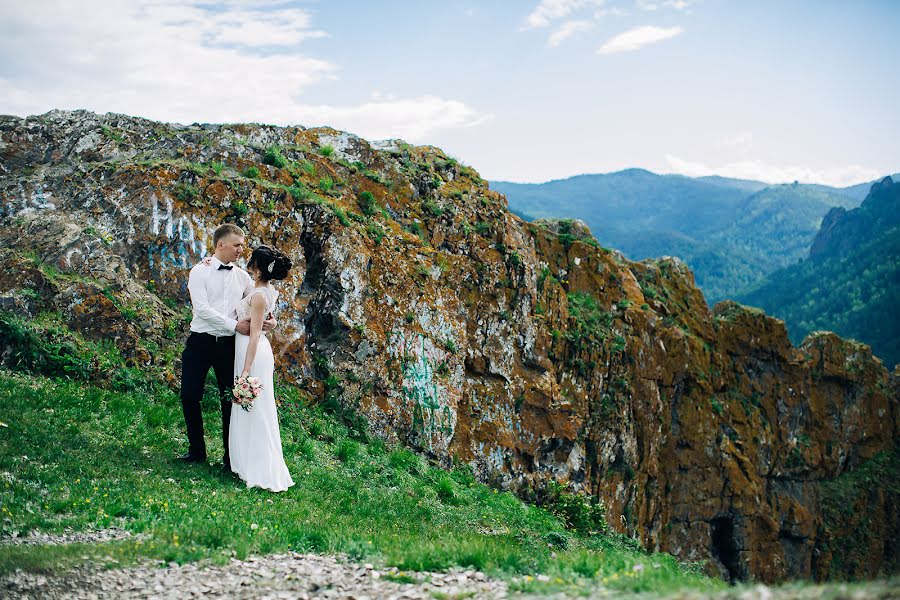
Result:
731,232
843,230
850,283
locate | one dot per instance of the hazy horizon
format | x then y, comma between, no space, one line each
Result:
877,178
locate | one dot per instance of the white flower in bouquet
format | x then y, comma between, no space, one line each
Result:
246,390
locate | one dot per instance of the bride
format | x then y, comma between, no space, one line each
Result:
254,442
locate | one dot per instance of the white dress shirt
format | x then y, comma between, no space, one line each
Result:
215,294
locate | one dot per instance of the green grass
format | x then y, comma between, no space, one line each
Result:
367,204
375,231
854,532
300,192
326,184
274,157
590,323
186,192
81,457
308,168
112,134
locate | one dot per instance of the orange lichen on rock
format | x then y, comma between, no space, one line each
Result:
525,349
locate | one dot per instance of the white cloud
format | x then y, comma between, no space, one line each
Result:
677,4
566,30
637,38
278,28
759,171
740,139
551,10
614,11
649,5
184,61
412,119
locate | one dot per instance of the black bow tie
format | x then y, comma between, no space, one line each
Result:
226,267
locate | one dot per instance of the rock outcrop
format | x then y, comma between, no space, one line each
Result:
420,302
842,231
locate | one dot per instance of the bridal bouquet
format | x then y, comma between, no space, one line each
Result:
246,390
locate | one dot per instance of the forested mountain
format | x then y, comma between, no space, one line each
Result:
731,232
850,283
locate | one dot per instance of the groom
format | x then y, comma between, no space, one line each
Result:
216,286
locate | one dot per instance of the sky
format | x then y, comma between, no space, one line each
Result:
521,90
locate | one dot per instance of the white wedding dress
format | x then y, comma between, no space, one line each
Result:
254,440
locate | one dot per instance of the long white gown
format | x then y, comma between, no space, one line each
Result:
254,439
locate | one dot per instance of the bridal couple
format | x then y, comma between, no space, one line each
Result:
232,310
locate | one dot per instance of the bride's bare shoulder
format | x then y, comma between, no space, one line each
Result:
256,302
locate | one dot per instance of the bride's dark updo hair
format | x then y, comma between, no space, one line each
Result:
272,264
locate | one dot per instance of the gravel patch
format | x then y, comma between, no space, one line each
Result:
314,576
36,538
291,575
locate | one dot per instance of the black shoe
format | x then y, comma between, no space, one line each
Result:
190,458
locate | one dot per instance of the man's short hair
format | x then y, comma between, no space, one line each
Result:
224,230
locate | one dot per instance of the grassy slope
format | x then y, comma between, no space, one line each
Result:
81,457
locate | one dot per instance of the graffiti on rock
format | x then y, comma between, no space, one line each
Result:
182,245
422,391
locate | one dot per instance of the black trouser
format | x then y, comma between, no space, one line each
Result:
201,352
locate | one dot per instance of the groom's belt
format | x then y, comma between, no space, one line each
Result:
219,339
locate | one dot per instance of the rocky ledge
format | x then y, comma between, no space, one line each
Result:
434,317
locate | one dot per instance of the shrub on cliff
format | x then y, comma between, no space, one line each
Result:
577,511
41,350
274,157
45,346
366,201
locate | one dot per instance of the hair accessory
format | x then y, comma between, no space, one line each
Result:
271,265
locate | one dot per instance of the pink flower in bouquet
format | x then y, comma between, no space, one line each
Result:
245,391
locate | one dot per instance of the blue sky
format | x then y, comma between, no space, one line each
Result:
522,91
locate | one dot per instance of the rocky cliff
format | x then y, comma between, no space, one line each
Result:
842,231
420,303
850,283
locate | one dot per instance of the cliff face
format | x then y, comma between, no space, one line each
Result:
849,283
841,230
419,301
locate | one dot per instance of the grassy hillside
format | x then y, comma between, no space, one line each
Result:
74,455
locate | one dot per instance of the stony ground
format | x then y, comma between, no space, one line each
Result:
290,575
306,576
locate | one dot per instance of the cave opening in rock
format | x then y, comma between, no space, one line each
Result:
315,265
724,546
320,319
